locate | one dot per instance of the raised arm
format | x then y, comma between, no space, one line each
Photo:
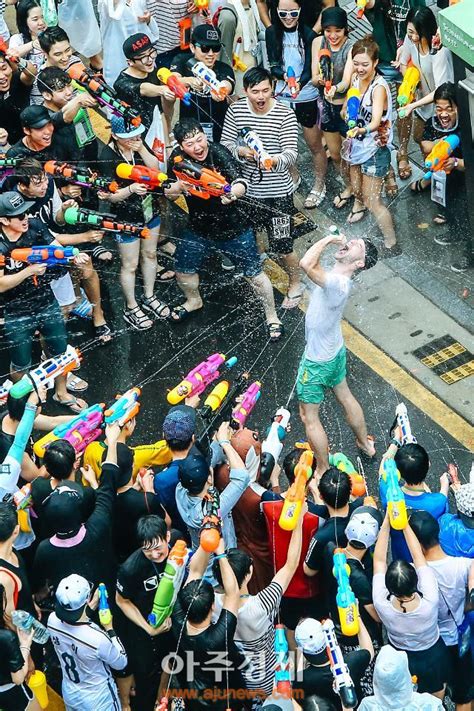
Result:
285,574
381,547
414,547
309,263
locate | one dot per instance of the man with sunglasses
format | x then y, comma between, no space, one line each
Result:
209,109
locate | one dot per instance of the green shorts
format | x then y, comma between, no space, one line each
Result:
314,377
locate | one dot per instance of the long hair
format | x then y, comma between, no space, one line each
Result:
3,604
22,10
424,22
280,28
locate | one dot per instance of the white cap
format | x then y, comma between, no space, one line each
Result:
310,637
364,526
72,595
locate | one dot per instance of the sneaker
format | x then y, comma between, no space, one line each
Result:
462,266
226,264
444,240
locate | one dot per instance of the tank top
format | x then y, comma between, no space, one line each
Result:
357,151
339,59
294,56
18,572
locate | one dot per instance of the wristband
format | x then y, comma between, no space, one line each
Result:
456,161
28,649
395,442
223,441
111,633
221,555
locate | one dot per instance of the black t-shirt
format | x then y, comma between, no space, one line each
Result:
12,103
52,152
65,142
319,680
333,530
11,658
41,488
431,132
18,571
138,579
210,218
209,112
130,506
26,297
128,90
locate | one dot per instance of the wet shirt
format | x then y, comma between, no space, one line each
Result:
128,89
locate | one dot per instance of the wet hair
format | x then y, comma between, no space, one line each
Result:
239,561
50,37
446,92
401,580
151,529
8,520
371,254
366,45
59,459
424,22
16,406
52,79
179,445
426,529
413,463
186,128
290,462
335,488
26,169
22,11
197,598
255,76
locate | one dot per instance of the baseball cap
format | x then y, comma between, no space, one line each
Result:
179,424
206,34
121,130
334,17
35,117
464,497
277,704
310,637
13,204
63,510
193,473
72,595
364,526
136,44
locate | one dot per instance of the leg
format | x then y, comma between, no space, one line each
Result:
262,286
358,208
316,435
149,265
19,333
291,265
91,285
354,416
371,193
124,685
313,138
129,255
404,130
189,285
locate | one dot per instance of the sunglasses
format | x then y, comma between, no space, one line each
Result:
206,48
288,13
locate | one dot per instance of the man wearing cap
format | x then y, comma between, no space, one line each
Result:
30,304
86,653
457,530
15,85
38,140
209,109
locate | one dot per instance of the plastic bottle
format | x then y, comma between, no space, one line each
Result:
25,621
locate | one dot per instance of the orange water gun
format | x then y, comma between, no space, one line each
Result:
141,174
77,176
294,499
201,182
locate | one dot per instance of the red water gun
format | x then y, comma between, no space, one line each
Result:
325,67
291,81
174,84
201,182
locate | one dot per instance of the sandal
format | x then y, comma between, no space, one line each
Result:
75,384
439,219
74,403
155,307
162,273
291,302
179,314
275,331
418,187
163,252
341,201
103,334
404,167
137,319
353,213
315,198
390,184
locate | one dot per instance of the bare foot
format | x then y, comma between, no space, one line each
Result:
369,447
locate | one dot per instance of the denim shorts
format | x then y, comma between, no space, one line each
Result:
19,331
192,250
314,377
128,239
331,120
378,165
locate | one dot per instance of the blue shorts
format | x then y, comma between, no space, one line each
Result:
128,239
20,330
193,249
378,165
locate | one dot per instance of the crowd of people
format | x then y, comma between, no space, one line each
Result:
110,112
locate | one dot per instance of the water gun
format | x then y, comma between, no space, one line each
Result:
291,81
77,176
439,154
103,221
103,93
4,390
125,408
406,91
46,373
345,598
223,406
273,442
238,64
361,5
396,506
282,669
404,423
20,62
79,432
169,585
358,485
49,254
326,67
174,84
294,499
199,377
243,409
201,182
22,497
211,529
215,399
141,174
209,78
253,141
6,163
105,616
343,684
353,105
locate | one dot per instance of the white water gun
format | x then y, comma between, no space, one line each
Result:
273,442
343,684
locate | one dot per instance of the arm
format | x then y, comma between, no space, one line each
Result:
231,599
24,429
365,641
135,616
112,652
46,423
370,609
379,97
239,477
263,12
309,263
414,547
285,574
381,547
306,73
198,565
10,281
316,46
326,3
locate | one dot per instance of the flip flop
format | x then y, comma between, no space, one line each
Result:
161,274
353,213
75,384
275,331
180,313
103,334
342,201
72,404
291,302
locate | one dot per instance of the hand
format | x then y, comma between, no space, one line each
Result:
405,111
3,136
164,627
195,83
70,202
247,154
224,432
166,93
444,479
72,192
330,93
95,236
275,475
85,101
103,195
94,601
192,401
304,510
36,269
25,638
146,17
112,432
138,189
449,164
221,547
357,131
228,198
340,240
136,144
38,396
146,481
89,475
81,259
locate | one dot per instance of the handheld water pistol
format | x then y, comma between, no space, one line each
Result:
4,390
282,669
440,153
51,255
211,529
201,182
79,432
215,399
200,377
353,106
343,684
169,585
20,62
396,506
273,442
361,5
6,163
295,496
291,81
105,616
22,498
46,373
238,64
252,140
125,408
103,93
209,78
243,409
326,67
174,84
345,598
103,221
404,423
76,176
406,91
141,174
358,485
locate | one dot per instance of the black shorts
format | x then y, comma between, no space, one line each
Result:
16,699
331,121
462,679
308,113
274,215
431,666
294,609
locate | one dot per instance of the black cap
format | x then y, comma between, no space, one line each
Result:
334,17
35,117
63,511
136,44
193,473
13,204
206,34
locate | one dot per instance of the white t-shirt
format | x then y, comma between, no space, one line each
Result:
435,69
418,629
323,318
452,575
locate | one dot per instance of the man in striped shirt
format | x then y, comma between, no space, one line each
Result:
271,187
